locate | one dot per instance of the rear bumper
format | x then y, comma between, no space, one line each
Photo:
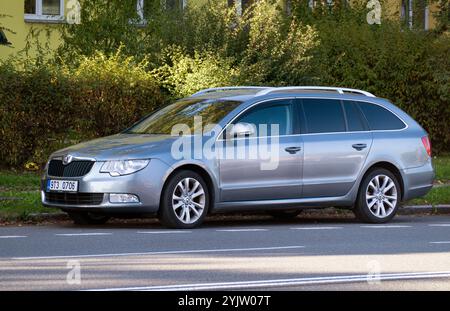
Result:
418,181
147,184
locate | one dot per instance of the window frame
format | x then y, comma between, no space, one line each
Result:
140,10
299,125
382,107
39,17
294,121
291,128
361,116
408,15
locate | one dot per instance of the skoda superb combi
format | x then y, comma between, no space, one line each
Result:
322,147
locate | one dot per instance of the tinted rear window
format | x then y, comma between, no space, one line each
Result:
323,115
380,118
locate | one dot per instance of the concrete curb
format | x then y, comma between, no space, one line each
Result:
425,209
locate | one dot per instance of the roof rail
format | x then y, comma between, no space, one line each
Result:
227,88
340,90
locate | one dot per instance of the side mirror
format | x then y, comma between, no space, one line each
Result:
241,130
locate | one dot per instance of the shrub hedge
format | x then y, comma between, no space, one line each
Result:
44,107
98,85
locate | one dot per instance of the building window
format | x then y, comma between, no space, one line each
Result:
165,4
240,5
44,10
415,14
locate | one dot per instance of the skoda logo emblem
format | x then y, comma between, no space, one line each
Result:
67,159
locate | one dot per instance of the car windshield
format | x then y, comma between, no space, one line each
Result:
183,112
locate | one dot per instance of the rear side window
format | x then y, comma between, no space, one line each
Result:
355,119
323,115
380,118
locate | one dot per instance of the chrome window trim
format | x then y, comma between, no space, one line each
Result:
307,134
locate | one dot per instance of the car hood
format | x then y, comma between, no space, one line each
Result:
120,147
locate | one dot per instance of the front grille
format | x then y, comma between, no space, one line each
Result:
74,198
73,169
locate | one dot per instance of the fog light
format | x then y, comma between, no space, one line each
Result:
123,198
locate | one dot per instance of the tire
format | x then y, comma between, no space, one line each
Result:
378,203
86,218
180,209
290,214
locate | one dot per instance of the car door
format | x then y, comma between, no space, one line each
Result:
268,175
336,145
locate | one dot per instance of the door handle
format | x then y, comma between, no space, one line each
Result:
293,150
359,147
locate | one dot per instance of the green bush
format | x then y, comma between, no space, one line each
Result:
113,92
261,47
44,106
110,71
183,75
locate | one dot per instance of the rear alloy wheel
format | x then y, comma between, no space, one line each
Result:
185,201
87,218
378,198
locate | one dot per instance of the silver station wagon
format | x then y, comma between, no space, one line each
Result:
277,150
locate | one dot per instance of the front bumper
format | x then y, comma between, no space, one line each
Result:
147,184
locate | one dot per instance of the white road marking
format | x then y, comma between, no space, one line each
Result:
194,251
12,236
163,232
241,230
83,234
439,225
315,228
287,282
385,226
440,242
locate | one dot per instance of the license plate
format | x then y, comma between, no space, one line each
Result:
62,185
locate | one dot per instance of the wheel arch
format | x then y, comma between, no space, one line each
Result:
391,168
203,173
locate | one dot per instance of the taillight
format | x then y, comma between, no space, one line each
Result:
427,144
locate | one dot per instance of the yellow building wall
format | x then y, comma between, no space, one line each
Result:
16,22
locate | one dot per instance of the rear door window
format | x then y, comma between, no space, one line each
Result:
323,115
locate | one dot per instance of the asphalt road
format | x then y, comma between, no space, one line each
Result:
410,253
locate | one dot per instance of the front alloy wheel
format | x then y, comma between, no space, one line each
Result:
188,200
185,201
378,197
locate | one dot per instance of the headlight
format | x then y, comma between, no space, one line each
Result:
118,168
